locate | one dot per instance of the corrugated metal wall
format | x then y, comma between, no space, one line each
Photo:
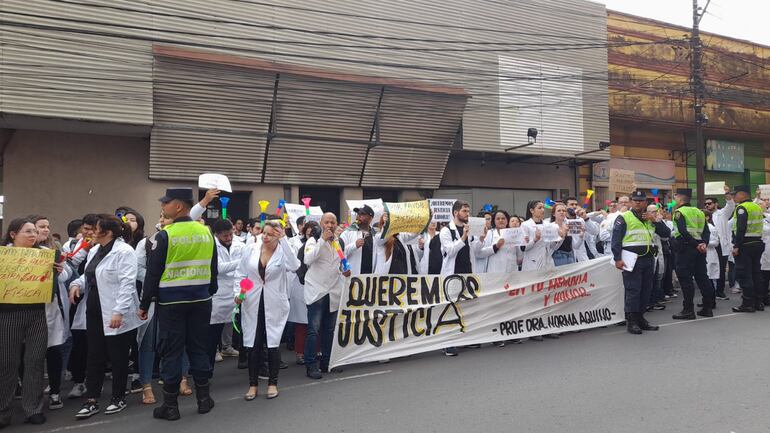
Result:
110,77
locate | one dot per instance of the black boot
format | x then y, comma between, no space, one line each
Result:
685,314
205,402
644,324
631,325
744,309
705,312
169,410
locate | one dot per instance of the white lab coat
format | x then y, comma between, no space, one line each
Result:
57,312
537,254
425,256
275,288
712,258
505,260
354,254
605,232
324,274
450,248
297,307
382,265
579,241
765,259
721,220
116,278
228,259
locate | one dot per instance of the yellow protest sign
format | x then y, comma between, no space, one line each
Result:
408,217
26,275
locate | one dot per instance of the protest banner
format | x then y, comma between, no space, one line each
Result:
408,217
441,209
621,180
476,226
214,181
714,188
764,191
295,211
390,316
550,232
514,236
26,275
376,204
576,227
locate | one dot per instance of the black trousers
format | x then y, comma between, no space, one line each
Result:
184,328
748,270
54,359
215,336
691,264
256,353
101,349
667,282
78,356
638,285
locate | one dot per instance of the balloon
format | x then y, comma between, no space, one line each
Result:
281,205
654,191
549,203
589,193
487,208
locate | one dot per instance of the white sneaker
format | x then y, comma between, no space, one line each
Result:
229,351
116,405
218,357
77,391
47,389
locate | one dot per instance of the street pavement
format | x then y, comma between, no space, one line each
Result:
703,376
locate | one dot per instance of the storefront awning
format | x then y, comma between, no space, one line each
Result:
258,121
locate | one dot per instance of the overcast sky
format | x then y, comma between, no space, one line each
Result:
743,19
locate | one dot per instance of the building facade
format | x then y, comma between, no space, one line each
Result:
107,103
651,114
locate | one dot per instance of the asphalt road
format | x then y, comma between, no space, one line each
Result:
708,375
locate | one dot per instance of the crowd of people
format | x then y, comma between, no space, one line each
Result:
171,304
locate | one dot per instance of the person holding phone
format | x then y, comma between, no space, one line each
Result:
633,233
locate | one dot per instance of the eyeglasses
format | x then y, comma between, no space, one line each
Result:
28,232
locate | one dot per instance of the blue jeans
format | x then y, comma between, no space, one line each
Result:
561,258
319,322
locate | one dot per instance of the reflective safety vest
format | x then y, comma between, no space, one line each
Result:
695,220
754,223
187,276
638,233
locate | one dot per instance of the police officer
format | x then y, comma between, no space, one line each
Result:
747,250
691,235
633,231
181,278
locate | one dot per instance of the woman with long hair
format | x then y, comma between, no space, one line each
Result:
111,315
265,309
135,221
394,253
57,317
23,336
537,252
503,258
563,251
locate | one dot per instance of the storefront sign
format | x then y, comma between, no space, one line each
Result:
724,156
648,173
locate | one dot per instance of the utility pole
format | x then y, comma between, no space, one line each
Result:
696,81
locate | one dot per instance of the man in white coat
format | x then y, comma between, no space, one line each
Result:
721,219
591,230
358,240
606,228
228,257
324,282
458,248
